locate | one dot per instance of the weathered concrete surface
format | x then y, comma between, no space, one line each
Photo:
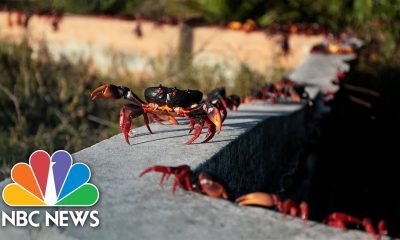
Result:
320,69
137,208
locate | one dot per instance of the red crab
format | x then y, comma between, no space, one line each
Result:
272,200
204,183
163,103
283,91
218,99
342,220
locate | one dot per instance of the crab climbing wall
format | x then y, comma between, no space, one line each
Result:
258,145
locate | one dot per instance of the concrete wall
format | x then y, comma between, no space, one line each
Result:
259,160
102,38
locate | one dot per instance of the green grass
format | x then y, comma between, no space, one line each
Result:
45,105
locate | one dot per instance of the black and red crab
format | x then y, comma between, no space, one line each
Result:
218,98
164,103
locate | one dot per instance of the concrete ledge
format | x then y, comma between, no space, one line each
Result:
133,207
259,136
320,69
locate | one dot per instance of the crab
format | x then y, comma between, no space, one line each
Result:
283,91
272,200
269,91
163,103
342,220
182,178
231,102
288,89
218,98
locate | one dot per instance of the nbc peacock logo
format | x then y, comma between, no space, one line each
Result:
50,181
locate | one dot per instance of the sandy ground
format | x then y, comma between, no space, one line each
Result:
210,43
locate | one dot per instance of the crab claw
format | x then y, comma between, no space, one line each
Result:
215,117
181,173
211,187
258,199
108,91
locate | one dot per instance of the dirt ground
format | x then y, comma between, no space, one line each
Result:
256,49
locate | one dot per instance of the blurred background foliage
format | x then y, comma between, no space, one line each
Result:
45,103
372,20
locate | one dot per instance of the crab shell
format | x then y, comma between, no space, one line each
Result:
210,187
172,97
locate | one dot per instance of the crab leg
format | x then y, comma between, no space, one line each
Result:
304,211
337,223
382,228
146,121
181,173
224,112
156,168
163,177
196,133
168,118
126,114
182,180
339,220
343,217
125,123
155,119
288,206
191,125
369,228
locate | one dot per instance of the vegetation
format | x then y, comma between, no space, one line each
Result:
46,104
374,21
